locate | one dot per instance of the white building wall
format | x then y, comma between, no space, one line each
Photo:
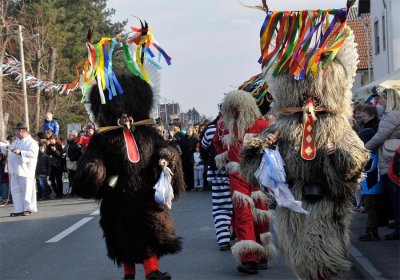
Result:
357,80
395,31
387,60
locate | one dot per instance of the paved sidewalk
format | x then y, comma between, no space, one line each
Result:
374,259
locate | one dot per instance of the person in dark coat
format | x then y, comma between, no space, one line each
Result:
369,117
188,146
55,152
120,168
43,169
174,140
73,152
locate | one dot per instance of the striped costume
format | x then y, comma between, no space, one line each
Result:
221,195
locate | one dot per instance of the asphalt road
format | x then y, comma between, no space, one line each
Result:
64,241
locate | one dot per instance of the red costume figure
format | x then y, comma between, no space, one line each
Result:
84,140
242,120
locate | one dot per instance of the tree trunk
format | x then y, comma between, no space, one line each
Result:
6,117
2,122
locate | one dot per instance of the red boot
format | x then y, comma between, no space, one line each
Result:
152,271
129,271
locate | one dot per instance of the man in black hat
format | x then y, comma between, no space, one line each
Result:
22,154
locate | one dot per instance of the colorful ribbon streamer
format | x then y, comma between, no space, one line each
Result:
303,39
12,67
259,88
99,66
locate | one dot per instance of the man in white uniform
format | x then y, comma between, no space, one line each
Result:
22,159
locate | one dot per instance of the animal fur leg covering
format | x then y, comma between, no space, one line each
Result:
315,245
268,244
246,247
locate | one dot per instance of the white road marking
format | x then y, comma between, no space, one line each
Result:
97,212
69,230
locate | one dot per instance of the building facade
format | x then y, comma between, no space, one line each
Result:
168,112
385,23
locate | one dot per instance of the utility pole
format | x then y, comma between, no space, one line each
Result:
52,72
165,110
37,122
21,51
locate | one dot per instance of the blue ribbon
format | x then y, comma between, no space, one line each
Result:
112,80
155,64
106,69
149,52
164,54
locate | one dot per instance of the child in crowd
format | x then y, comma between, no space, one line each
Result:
43,168
198,169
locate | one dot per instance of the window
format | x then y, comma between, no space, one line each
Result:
383,33
376,33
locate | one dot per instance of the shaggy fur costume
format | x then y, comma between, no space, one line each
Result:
135,226
242,121
315,245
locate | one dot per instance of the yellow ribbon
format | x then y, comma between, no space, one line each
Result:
138,60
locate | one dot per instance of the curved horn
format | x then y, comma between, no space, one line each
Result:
263,7
141,23
264,3
146,26
350,4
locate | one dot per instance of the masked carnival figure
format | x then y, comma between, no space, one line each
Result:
243,120
309,60
125,157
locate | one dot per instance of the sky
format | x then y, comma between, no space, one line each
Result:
214,44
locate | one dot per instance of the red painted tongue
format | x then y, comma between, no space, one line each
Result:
131,147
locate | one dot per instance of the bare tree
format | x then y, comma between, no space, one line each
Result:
38,27
7,30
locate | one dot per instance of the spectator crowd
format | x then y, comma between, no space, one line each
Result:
377,122
56,162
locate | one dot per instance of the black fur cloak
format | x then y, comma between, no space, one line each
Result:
135,226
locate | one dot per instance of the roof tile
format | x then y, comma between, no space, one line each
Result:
363,39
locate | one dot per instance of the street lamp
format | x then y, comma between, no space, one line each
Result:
166,115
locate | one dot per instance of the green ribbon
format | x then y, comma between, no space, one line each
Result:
129,62
289,50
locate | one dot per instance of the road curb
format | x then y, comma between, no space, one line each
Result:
366,268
